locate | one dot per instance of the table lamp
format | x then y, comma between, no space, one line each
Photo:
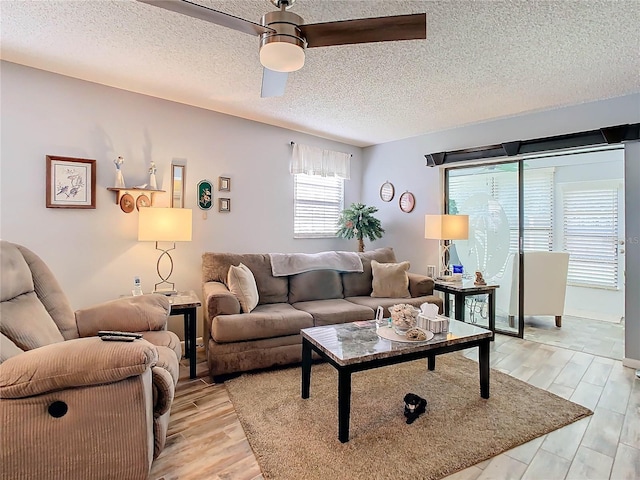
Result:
164,225
446,228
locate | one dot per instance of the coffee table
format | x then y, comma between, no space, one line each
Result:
354,347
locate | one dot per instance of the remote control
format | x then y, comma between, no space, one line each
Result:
112,333
116,338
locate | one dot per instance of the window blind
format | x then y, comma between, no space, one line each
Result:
318,202
590,234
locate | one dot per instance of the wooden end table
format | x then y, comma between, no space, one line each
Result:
463,289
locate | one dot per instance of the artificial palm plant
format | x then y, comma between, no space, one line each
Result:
358,221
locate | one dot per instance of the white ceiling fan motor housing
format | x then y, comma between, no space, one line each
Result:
282,51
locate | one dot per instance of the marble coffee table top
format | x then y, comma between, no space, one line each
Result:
357,342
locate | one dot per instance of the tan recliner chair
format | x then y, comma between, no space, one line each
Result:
545,285
71,405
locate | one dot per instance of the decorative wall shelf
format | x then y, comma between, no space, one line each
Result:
134,191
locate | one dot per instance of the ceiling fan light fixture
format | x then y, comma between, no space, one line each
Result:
283,49
282,56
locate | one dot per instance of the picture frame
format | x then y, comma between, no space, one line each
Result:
407,202
178,179
224,204
71,182
387,191
224,184
205,195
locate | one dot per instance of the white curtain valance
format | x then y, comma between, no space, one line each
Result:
316,161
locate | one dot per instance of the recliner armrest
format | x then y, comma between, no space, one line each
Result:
420,285
74,363
127,314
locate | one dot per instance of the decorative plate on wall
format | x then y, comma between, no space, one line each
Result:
387,191
407,202
127,203
143,201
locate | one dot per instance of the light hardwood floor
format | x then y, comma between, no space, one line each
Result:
206,440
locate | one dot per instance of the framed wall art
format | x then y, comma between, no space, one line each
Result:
224,184
205,195
407,202
71,182
224,204
178,174
387,191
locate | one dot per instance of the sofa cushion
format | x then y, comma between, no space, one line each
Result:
329,312
243,285
356,284
265,321
385,303
215,267
390,280
315,285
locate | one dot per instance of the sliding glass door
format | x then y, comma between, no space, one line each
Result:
550,226
489,195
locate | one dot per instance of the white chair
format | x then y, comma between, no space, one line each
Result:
545,285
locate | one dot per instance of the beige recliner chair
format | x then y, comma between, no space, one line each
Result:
545,285
74,406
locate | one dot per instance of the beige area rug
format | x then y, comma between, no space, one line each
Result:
297,439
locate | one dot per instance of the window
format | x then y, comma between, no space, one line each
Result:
318,202
590,233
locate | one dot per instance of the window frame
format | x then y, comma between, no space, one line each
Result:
320,220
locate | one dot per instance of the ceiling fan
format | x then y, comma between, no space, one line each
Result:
284,37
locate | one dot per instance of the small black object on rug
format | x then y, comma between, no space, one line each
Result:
414,406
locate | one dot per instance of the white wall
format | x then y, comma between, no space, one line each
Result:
403,164
95,253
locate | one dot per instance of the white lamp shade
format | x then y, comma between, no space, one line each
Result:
282,56
164,224
446,227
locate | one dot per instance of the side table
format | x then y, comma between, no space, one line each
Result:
186,304
463,289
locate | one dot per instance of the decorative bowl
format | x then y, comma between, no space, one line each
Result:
403,318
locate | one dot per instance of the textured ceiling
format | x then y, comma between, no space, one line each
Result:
481,60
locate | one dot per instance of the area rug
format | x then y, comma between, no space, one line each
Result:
297,439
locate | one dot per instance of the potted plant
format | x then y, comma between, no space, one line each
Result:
358,221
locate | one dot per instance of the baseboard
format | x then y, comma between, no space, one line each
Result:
631,363
602,316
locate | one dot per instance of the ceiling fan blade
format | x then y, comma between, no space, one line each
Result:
273,83
210,15
365,30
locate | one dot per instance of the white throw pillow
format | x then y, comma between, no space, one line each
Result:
242,284
390,280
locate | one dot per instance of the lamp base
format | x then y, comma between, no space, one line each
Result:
166,291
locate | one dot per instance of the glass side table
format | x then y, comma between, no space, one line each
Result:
463,289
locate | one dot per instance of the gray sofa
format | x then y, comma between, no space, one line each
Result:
270,334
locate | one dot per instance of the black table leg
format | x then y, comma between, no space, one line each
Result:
431,362
306,367
190,315
447,306
492,313
344,404
483,361
459,298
